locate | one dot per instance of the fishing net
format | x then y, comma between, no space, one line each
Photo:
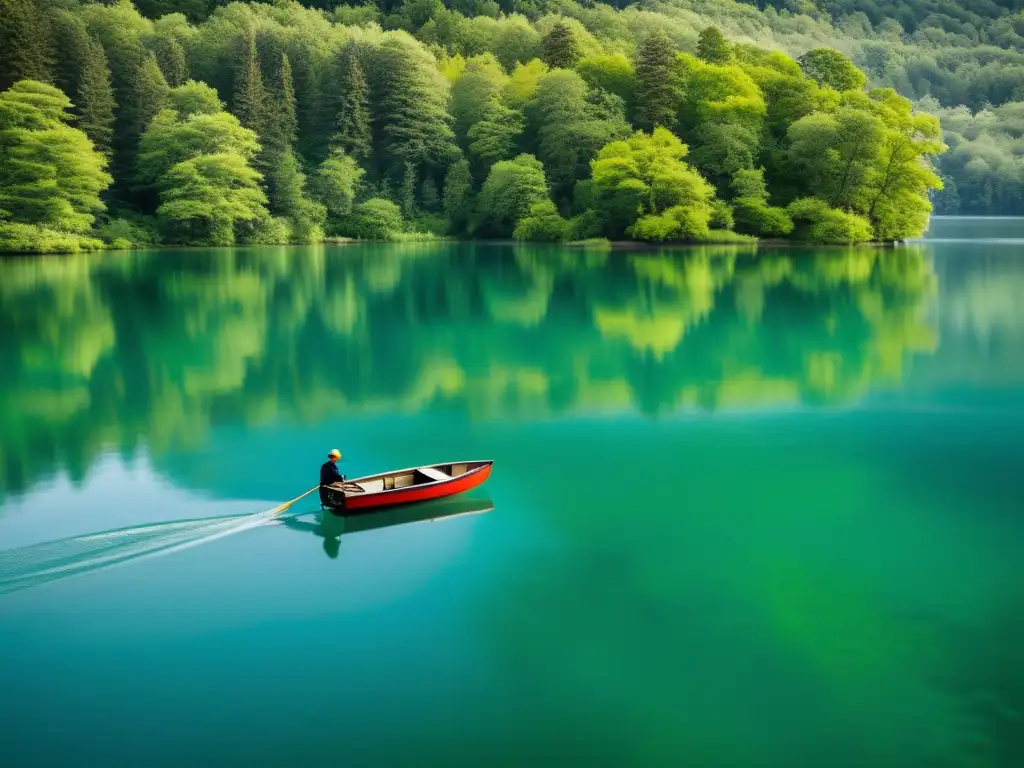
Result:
28,566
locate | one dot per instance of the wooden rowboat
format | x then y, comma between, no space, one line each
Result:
404,486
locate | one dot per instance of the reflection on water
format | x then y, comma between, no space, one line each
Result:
153,349
755,509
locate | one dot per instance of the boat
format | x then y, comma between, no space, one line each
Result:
404,486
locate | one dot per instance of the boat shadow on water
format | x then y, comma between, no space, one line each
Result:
331,527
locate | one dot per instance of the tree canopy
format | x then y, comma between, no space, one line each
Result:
433,109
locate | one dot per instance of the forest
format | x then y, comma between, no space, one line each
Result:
185,122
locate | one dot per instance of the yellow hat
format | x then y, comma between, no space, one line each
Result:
335,452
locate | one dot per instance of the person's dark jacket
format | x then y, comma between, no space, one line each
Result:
329,473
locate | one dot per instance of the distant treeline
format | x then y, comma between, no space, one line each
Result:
278,123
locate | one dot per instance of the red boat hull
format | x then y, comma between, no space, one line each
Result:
355,503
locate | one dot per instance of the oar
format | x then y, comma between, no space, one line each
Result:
279,509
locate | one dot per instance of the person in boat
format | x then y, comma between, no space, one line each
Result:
329,473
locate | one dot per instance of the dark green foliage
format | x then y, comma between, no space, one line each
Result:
832,69
352,121
170,57
569,130
458,196
140,90
542,223
508,195
711,46
82,73
26,45
249,104
285,120
753,216
656,89
410,117
721,216
560,48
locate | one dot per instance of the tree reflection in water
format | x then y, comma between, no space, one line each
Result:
154,348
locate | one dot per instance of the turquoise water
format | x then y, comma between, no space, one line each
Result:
748,509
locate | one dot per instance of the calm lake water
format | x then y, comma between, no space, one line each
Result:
748,509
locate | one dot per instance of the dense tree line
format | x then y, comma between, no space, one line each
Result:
276,124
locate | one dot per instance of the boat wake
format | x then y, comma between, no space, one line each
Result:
35,564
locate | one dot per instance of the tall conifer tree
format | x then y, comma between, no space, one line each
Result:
561,51
353,115
656,93
83,74
26,43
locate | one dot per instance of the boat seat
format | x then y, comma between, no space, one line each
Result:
435,474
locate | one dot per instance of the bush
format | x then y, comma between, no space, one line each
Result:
543,223
717,236
29,238
376,219
272,230
753,216
429,223
128,232
680,222
721,216
816,222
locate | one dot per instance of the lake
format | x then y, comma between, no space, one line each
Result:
749,509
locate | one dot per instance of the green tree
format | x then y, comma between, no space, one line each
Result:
26,45
657,93
51,176
200,164
474,94
376,219
170,57
643,187
83,74
753,216
749,182
410,99
816,222
336,182
723,111
352,115
612,73
192,98
140,90
711,46
458,196
895,194
561,49
834,153
250,98
204,198
832,69
496,135
510,191
542,223
567,130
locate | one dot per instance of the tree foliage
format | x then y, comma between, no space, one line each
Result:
51,176
427,105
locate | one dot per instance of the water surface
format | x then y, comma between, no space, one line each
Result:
748,509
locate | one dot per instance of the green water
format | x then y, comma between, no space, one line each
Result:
747,510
